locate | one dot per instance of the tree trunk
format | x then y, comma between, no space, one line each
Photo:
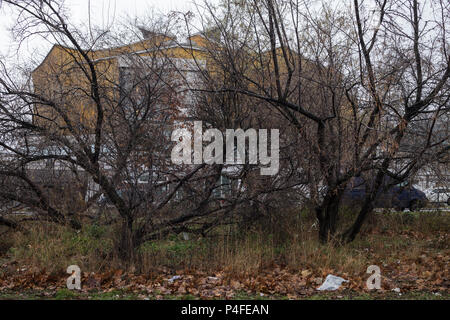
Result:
126,245
328,215
352,232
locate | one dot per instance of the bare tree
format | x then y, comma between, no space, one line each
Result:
356,82
94,124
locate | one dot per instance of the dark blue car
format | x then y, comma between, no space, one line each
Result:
400,196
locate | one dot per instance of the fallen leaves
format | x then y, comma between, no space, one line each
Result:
423,270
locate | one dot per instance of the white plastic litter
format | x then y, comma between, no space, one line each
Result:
331,283
213,278
396,290
174,278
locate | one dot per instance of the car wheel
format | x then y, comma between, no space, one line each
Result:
414,205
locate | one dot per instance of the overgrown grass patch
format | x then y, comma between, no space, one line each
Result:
291,242
55,247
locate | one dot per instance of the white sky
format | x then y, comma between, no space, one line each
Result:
101,11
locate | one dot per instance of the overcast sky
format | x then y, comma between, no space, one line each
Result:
101,11
102,14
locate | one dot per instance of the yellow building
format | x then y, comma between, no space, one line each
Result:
66,77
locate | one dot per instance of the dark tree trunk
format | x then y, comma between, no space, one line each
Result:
350,234
126,244
328,215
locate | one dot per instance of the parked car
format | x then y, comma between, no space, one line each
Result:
400,196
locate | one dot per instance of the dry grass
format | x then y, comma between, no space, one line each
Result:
290,241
